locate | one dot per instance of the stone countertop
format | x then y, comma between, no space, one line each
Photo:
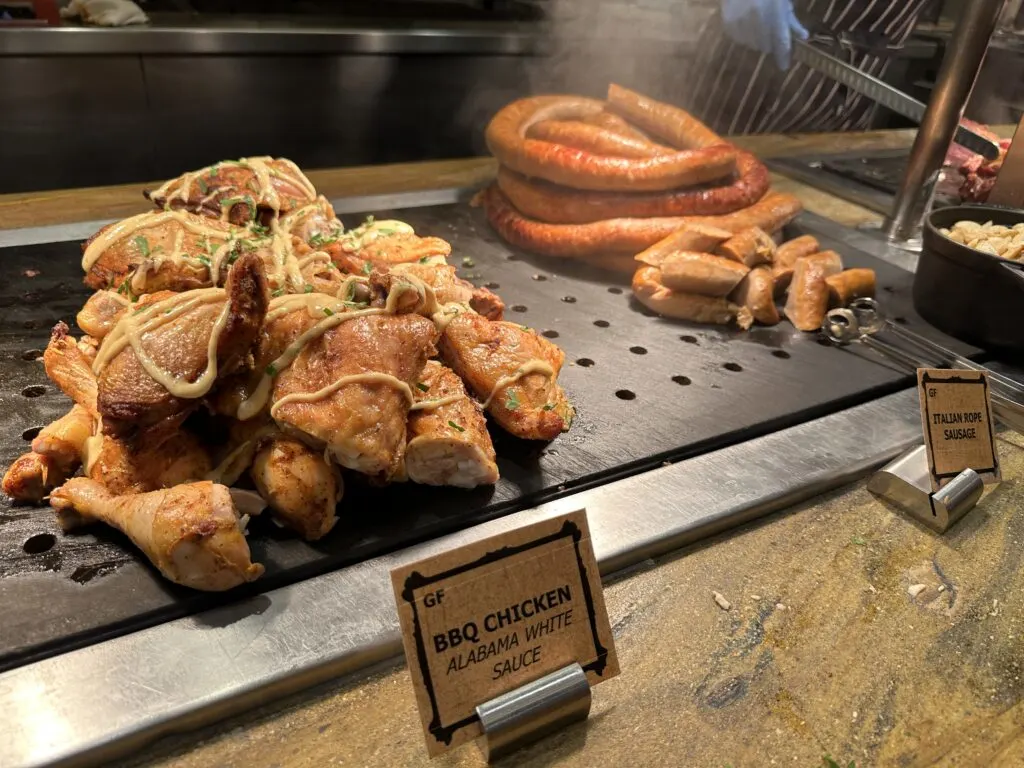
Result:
826,649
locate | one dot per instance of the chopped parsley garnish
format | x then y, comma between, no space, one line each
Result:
244,200
271,370
424,259
453,425
318,239
308,288
368,222
328,311
511,401
259,229
205,261
386,230
125,288
142,244
422,387
278,292
367,268
233,258
468,262
549,407
203,186
143,308
356,304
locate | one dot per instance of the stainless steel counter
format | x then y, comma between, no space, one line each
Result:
253,37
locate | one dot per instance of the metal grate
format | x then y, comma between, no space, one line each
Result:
647,390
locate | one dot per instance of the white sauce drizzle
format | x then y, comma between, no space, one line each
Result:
133,224
369,377
430,405
531,366
148,318
360,237
315,303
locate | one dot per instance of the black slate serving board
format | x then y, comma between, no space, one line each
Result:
647,390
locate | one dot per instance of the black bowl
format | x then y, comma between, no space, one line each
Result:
974,296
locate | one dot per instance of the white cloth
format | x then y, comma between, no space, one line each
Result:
105,13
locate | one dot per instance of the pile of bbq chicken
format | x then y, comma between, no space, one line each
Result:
244,353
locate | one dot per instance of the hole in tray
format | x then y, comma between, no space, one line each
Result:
518,307
31,354
539,278
569,299
41,542
638,350
34,391
615,289
625,394
734,367
781,354
689,339
684,380
492,285
550,334
888,289
31,433
586,362
900,320
601,323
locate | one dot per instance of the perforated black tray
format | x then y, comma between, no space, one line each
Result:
647,390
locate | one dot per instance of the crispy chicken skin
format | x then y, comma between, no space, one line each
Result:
235,189
158,459
100,313
314,223
70,369
31,477
358,256
191,532
449,287
301,488
448,444
130,400
483,352
63,440
127,245
361,424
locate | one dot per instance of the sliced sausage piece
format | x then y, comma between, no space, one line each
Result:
703,273
653,294
807,301
785,259
849,285
751,246
702,238
756,293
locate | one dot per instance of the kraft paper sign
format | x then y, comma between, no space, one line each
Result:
496,614
957,418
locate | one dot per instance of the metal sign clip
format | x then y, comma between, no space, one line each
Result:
528,713
906,482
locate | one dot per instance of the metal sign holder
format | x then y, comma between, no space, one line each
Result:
530,712
906,482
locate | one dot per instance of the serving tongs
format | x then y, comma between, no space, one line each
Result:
863,320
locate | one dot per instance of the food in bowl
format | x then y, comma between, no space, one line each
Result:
993,239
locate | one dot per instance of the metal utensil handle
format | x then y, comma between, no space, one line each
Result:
1008,410
1003,384
881,92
